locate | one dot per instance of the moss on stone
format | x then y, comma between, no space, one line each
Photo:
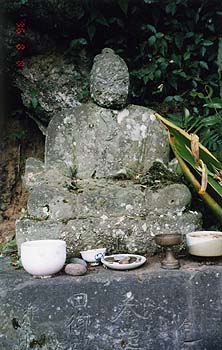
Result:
159,176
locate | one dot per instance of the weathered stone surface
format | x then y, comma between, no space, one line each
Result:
147,308
169,198
125,233
49,202
35,175
98,198
109,80
111,199
34,168
94,141
75,269
48,84
120,215
27,229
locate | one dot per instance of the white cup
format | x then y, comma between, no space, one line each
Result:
43,258
93,255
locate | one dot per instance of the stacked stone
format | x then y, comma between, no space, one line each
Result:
86,191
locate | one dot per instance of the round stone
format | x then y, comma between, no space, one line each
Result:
75,269
77,261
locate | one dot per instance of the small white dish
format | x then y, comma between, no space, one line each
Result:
93,255
204,243
43,258
116,265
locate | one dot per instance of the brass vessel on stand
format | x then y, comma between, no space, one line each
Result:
168,240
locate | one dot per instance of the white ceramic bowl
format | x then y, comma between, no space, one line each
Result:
204,243
44,257
93,255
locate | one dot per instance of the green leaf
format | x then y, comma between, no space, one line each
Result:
146,79
204,64
219,58
178,98
197,94
151,28
151,40
159,35
168,99
76,43
215,105
207,43
157,74
188,35
123,4
102,20
179,41
186,56
171,8
9,247
34,102
186,113
209,91
203,50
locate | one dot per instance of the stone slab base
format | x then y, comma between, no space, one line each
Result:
142,309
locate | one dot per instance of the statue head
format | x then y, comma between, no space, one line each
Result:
109,80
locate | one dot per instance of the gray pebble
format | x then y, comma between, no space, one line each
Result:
75,269
77,261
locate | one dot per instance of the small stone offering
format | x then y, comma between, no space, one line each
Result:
125,261
77,261
75,269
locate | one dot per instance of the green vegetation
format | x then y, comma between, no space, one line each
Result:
199,166
174,53
10,249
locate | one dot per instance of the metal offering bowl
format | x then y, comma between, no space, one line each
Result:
168,240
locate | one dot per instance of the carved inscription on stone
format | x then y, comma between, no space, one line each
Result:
78,323
128,320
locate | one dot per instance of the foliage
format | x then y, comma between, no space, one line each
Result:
204,119
174,53
18,134
34,99
83,94
10,249
171,46
200,167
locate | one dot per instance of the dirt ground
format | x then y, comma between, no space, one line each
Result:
22,139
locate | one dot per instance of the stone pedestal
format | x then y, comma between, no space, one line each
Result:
147,308
121,215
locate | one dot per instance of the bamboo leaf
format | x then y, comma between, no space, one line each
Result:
203,171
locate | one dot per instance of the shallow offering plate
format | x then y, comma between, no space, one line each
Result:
126,261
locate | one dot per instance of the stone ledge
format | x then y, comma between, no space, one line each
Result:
147,308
